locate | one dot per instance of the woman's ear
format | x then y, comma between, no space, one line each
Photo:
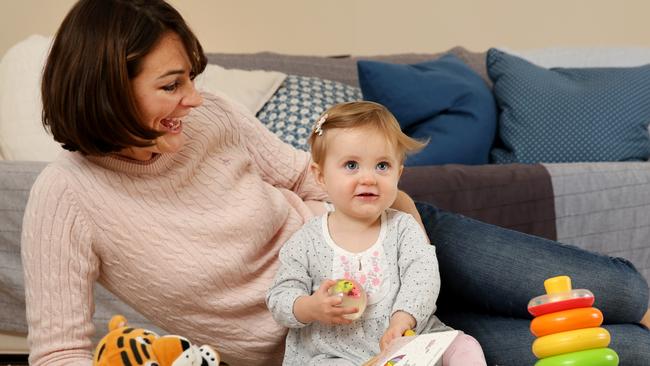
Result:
318,173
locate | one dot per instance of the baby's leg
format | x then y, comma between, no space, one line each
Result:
464,351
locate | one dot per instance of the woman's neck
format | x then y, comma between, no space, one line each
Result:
139,155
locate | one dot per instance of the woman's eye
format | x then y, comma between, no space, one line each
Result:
170,87
351,165
383,166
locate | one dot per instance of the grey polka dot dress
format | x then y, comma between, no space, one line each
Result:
399,272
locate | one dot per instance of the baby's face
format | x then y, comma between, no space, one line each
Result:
360,172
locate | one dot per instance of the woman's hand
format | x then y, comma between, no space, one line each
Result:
322,307
400,322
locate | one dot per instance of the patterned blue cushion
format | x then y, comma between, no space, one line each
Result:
296,105
569,114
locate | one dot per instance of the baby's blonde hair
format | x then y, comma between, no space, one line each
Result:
361,114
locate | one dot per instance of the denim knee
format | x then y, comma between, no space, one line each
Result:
496,270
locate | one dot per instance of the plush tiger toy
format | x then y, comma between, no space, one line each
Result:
126,346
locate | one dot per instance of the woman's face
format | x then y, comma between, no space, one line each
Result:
164,94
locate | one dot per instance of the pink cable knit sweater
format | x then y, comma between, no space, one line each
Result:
190,239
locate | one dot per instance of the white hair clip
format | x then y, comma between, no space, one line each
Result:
319,125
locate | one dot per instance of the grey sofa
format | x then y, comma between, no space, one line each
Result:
603,207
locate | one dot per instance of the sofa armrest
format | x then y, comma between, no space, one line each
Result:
514,196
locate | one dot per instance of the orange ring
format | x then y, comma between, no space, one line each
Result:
565,320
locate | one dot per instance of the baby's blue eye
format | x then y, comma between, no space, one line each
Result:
351,165
383,166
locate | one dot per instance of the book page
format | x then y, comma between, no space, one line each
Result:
420,350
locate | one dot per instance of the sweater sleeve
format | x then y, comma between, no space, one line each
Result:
291,281
280,164
418,271
60,269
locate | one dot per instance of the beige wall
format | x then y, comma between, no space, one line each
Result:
364,27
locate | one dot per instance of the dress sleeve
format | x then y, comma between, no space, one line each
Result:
280,164
291,281
418,271
60,269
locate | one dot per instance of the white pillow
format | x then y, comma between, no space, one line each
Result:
22,136
250,88
585,56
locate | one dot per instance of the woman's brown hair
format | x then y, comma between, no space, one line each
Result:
361,114
88,102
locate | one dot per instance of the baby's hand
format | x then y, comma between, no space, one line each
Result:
322,307
400,322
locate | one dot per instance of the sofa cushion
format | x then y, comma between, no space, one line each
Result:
569,114
585,56
16,179
251,88
22,136
442,100
296,105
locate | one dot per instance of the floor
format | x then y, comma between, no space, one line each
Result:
13,350
13,360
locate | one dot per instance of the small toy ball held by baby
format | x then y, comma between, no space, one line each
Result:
567,327
352,294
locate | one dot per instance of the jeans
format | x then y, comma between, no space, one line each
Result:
490,273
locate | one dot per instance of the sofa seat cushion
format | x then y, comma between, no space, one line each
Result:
442,100
569,114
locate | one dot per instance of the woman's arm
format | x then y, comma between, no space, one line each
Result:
279,163
60,269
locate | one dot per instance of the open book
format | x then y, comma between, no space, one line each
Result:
419,350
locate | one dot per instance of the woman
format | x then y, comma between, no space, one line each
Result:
178,203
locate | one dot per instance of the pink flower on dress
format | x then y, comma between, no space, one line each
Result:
376,281
362,279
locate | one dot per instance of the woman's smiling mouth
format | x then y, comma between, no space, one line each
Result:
172,125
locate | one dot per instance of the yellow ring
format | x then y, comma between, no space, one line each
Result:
570,341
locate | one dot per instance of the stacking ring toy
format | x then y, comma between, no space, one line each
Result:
559,297
592,357
571,341
565,320
351,294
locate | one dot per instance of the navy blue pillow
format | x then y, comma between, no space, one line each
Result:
443,100
569,114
